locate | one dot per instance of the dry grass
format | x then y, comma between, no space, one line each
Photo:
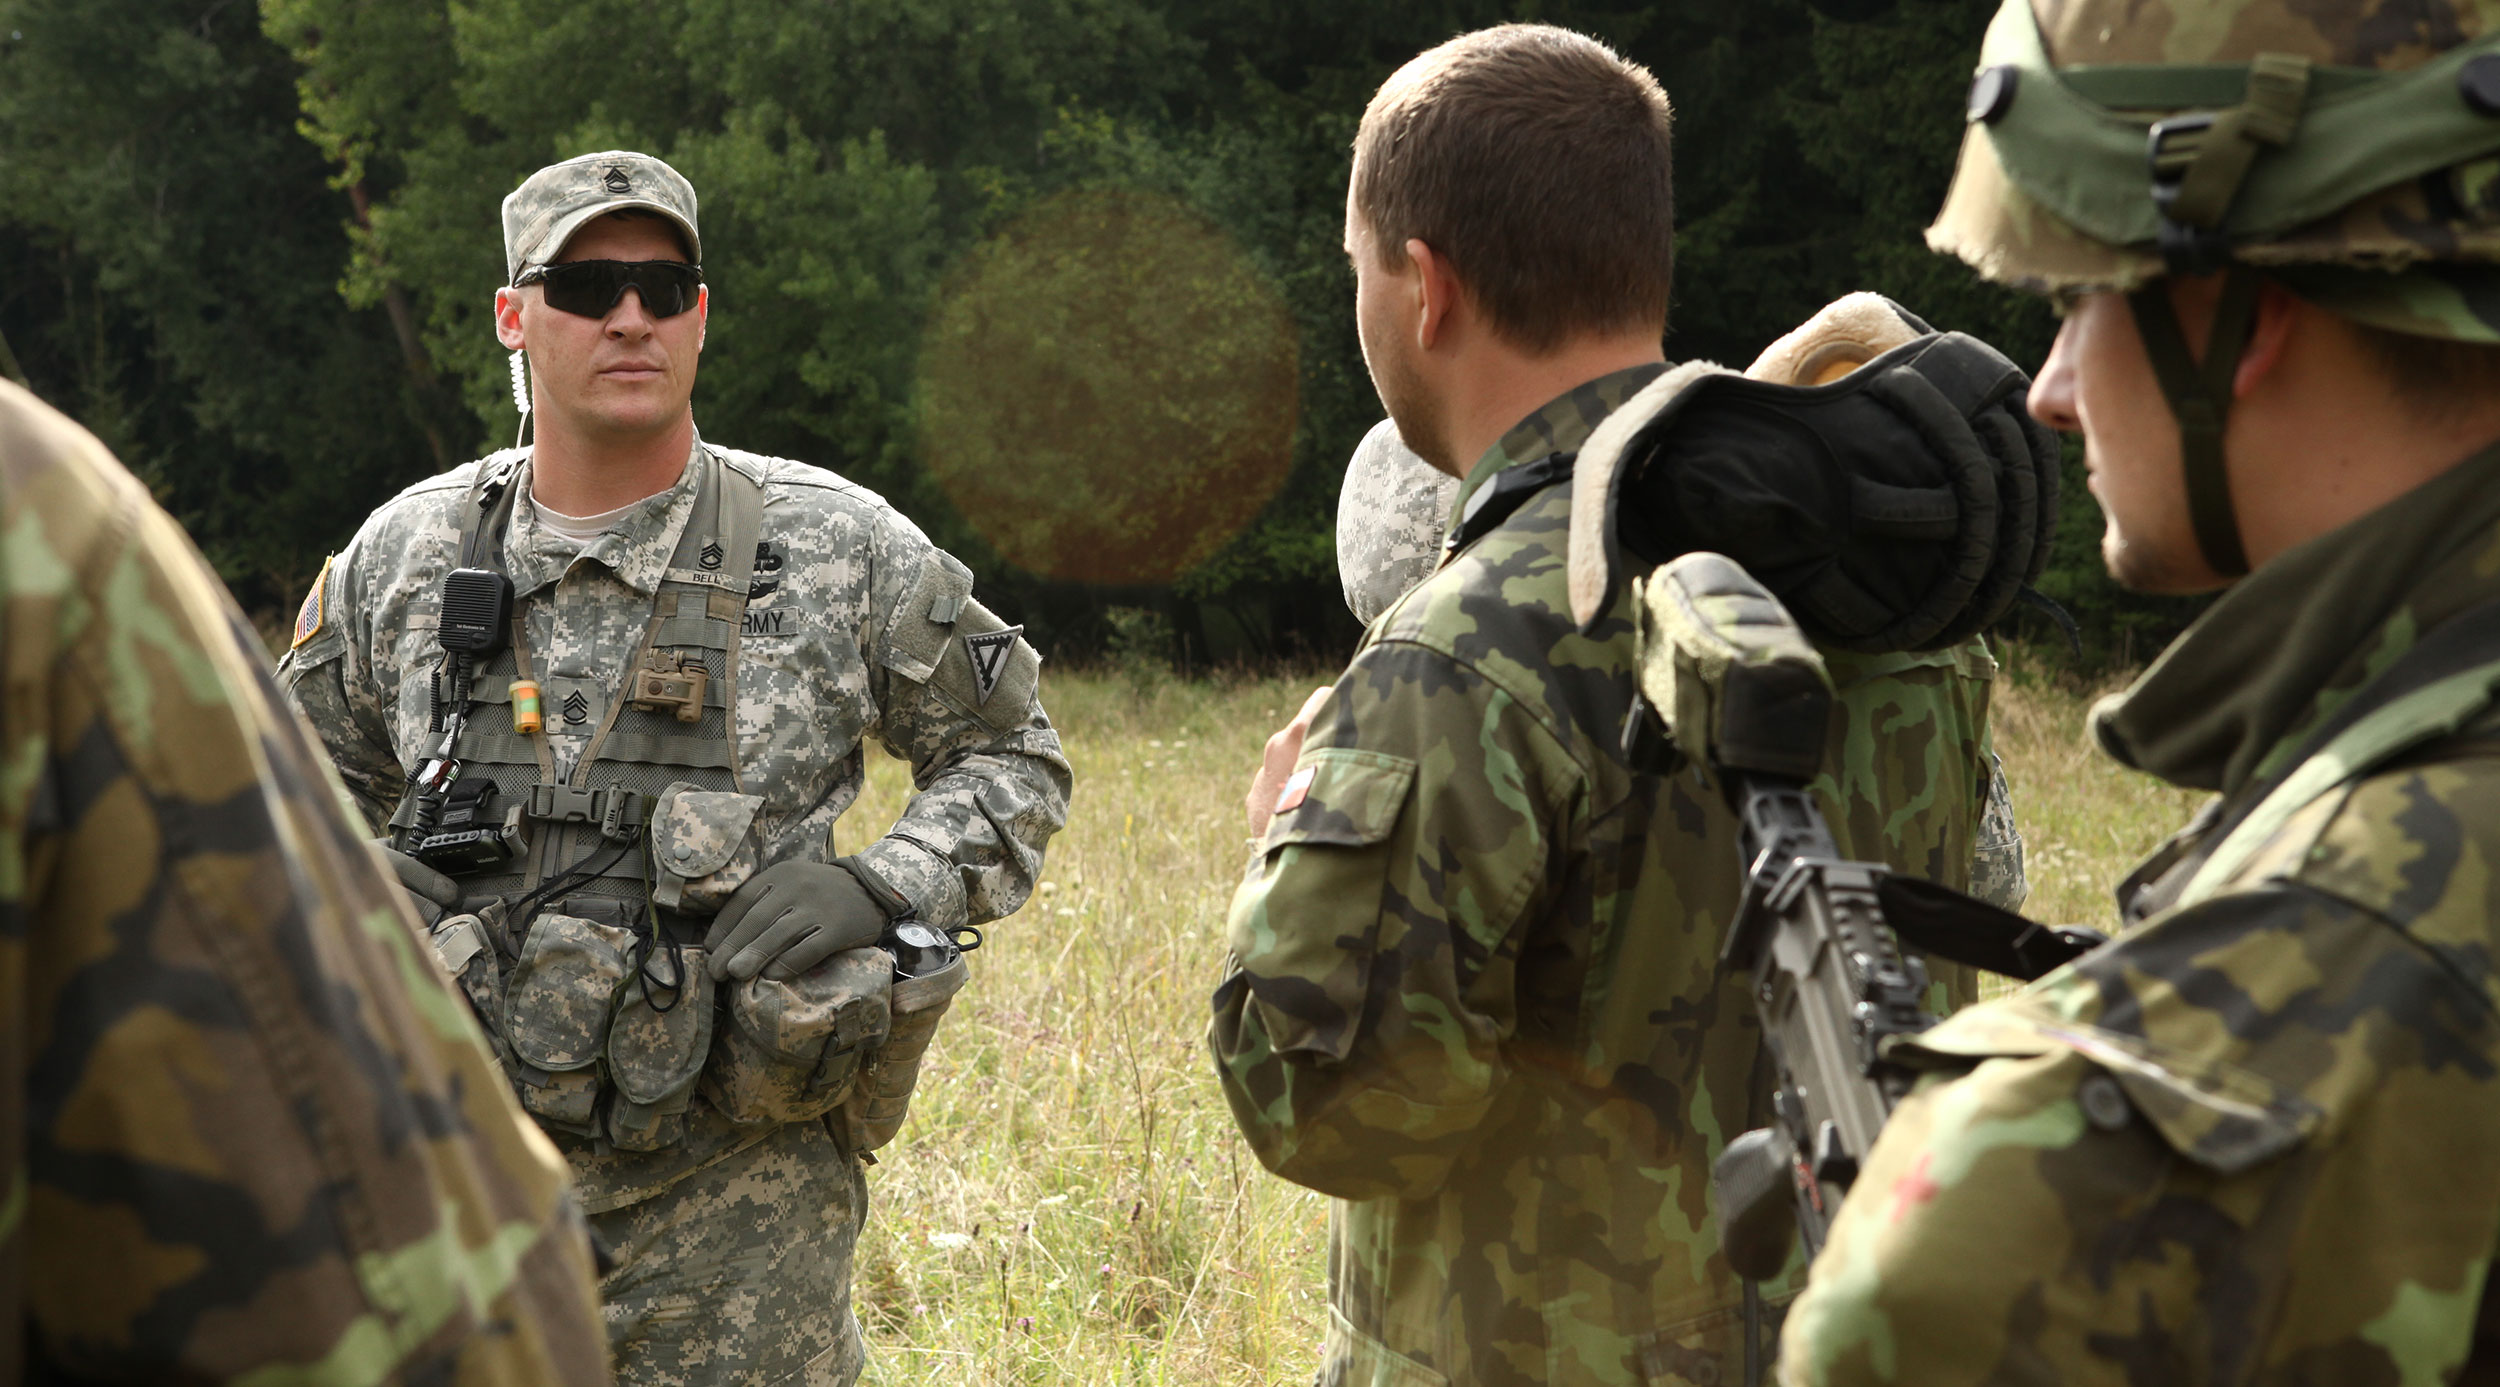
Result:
1068,1202
2086,820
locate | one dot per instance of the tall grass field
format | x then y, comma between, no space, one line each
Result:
1068,1202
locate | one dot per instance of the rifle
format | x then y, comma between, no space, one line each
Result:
1741,691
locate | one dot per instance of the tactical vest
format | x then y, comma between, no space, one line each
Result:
583,954
638,750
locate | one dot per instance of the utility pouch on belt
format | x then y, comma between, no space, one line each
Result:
703,847
658,1039
557,1005
791,1049
875,1113
465,945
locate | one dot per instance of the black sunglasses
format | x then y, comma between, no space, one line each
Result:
591,288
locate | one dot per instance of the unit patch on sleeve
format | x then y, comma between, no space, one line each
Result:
315,612
989,651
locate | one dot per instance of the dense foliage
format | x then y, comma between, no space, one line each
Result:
255,250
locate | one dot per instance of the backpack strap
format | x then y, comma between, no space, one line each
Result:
1495,501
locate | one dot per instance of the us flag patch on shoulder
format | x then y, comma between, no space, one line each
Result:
310,617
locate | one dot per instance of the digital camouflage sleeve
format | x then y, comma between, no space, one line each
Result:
1473,988
248,1133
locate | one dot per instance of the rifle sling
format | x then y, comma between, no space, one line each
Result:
1942,922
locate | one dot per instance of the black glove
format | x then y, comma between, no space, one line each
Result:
430,891
1901,507
790,917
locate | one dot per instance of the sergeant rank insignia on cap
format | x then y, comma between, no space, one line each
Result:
309,617
616,181
989,651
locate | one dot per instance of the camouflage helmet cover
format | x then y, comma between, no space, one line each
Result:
2382,199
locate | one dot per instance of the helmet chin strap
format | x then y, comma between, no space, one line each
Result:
2200,398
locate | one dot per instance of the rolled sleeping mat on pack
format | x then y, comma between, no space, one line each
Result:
1882,479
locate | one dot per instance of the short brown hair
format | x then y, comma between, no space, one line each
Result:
1538,163
2442,378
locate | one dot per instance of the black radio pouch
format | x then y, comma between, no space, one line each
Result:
469,836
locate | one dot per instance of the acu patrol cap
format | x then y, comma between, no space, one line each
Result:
558,200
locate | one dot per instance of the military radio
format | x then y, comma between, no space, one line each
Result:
457,830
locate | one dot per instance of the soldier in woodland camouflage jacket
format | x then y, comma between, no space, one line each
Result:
1473,986
249,1133
730,1185
2250,1140
1394,510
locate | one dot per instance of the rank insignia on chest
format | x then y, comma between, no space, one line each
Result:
670,684
712,556
310,617
989,651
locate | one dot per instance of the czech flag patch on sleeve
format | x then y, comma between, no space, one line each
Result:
315,611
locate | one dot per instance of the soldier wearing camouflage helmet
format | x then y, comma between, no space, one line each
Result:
1472,988
2247,1141
248,1133
610,694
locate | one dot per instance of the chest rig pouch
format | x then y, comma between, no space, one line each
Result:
585,899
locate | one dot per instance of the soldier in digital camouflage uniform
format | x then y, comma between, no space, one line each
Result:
714,1078
2249,1140
1473,988
250,1134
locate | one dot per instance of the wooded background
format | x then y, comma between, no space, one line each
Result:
1061,278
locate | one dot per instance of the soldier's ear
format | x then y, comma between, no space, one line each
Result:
1436,290
508,318
2278,313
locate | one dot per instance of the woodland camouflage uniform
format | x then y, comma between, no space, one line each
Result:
250,1133
1474,990
1392,514
2250,1140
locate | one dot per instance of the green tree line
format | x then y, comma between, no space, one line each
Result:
1061,278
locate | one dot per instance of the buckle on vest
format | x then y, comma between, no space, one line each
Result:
621,819
617,810
671,683
564,805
